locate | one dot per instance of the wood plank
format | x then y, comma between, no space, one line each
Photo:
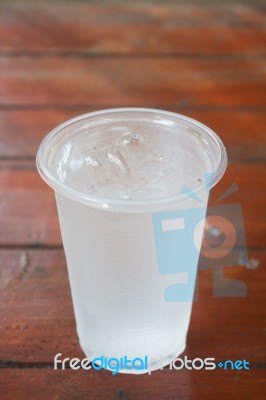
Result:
95,30
37,319
28,207
29,217
167,385
242,132
175,385
143,82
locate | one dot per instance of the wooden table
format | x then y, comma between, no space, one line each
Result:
58,61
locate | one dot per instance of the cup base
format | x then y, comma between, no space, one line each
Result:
152,366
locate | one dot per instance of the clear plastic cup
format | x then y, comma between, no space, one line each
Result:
116,174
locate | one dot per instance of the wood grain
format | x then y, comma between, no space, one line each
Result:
172,82
41,321
133,29
243,132
171,385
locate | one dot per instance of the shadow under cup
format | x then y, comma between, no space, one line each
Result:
121,176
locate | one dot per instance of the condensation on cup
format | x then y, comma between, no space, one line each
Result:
117,175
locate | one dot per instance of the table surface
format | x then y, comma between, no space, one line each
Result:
58,61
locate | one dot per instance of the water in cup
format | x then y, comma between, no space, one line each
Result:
111,172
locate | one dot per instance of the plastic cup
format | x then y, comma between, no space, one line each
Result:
120,177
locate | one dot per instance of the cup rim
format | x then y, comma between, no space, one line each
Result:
121,205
